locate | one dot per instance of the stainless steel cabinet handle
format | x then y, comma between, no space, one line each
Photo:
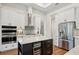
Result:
12,45
5,46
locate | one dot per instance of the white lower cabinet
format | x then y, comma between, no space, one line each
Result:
8,47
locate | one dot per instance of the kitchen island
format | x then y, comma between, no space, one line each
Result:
35,45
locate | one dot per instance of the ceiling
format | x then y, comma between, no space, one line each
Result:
43,7
46,7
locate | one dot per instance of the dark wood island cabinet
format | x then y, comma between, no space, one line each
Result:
44,47
47,47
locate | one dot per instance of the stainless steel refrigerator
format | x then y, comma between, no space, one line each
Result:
66,31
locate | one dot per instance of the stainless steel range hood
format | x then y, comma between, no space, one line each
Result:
29,29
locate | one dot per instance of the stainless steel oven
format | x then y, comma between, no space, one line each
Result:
8,34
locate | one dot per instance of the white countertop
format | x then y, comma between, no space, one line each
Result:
31,38
74,51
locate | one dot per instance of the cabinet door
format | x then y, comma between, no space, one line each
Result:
12,16
47,47
37,23
5,16
18,19
69,14
27,49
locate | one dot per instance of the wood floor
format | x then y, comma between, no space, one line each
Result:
10,52
58,51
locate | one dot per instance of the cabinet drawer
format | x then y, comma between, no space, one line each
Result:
9,46
47,44
47,41
5,47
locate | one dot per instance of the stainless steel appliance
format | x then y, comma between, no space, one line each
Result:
8,34
66,39
29,29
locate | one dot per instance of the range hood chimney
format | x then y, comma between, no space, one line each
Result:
29,29
29,15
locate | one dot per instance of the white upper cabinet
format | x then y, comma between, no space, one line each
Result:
69,15
16,17
12,17
36,22
64,16
5,18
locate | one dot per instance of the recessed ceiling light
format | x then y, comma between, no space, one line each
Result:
44,5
